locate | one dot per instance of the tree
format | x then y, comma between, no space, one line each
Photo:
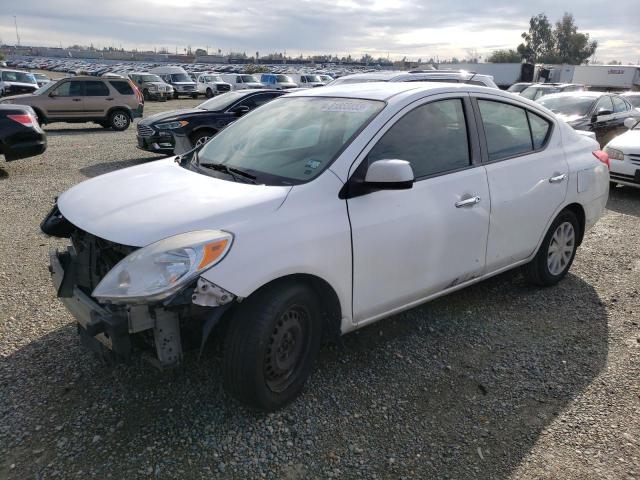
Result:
504,56
562,44
538,41
571,46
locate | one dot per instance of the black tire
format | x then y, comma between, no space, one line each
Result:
175,95
271,345
145,94
538,272
201,136
194,95
209,93
119,120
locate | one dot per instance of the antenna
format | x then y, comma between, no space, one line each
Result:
15,21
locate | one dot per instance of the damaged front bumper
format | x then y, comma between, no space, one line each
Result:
116,332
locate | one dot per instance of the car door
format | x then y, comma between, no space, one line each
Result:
603,120
65,101
527,175
97,98
410,244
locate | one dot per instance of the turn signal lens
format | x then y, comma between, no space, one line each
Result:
212,251
603,157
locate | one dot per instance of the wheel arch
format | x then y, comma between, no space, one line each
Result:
202,128
122,108
578,211
42,118
331,309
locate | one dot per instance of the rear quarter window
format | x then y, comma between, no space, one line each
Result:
122,87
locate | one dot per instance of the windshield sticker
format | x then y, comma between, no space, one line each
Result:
346,107
312,164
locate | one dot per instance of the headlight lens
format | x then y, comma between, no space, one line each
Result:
172,125
614,154
161,269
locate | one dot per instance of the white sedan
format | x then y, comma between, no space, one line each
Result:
624,154
319,213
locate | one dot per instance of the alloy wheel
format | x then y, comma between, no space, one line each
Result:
561,247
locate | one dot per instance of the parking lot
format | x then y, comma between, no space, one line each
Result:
499,380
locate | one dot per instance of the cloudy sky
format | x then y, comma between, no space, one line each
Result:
396,28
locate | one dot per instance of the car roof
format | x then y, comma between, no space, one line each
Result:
586,93
385,90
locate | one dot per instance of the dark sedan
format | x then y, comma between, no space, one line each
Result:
180,130
20,133
598,112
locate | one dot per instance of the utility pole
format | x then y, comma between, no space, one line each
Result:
15,21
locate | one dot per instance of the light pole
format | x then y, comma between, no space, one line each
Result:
15,21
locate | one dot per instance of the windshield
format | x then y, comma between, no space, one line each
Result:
533,93
222,102
568,104
289,140
346,80
21,77
211,78
283,79
517,87
45,88
249,79
312,78
150,78
180,77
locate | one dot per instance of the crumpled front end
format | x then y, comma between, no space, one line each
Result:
160,331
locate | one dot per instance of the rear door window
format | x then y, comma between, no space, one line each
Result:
540,129
96,89
506,129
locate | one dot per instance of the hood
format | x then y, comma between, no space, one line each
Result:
18,98
183,83
20,84
170,115
140,205
157,84
628,142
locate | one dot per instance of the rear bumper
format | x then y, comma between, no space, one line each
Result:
24,145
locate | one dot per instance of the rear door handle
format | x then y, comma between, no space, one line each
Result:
77,99
468,202
110,98
558,178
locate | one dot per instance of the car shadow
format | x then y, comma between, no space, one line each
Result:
461,387
101,168
60,132
625,200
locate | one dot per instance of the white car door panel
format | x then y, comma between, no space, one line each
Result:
410,244
526,188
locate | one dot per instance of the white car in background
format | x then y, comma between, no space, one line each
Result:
211,84
242,81
624,152
449,76
319,213
633,97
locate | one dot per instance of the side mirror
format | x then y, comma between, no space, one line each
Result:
389,175
630,122
240,110
53,94
602,112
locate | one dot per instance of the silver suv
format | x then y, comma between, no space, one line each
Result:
151,86
450,76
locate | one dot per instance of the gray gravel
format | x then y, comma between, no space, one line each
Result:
499,380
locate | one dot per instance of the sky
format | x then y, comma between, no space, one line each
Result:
411,28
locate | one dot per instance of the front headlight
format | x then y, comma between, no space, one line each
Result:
614,154
161,269
172,125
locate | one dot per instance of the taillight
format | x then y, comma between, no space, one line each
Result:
603,157
24,119
139,95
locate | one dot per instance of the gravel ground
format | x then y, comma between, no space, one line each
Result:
499,380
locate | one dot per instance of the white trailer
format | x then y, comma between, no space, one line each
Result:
608,77
504,74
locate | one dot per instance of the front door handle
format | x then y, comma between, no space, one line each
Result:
558,178
109,99
77,99
468,202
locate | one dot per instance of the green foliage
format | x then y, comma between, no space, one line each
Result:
504,56
560,44
250,69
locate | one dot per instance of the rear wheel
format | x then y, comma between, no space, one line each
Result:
271,345
119,120
557,252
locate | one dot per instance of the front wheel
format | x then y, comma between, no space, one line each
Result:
119,120
271,345
557,251
209,93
